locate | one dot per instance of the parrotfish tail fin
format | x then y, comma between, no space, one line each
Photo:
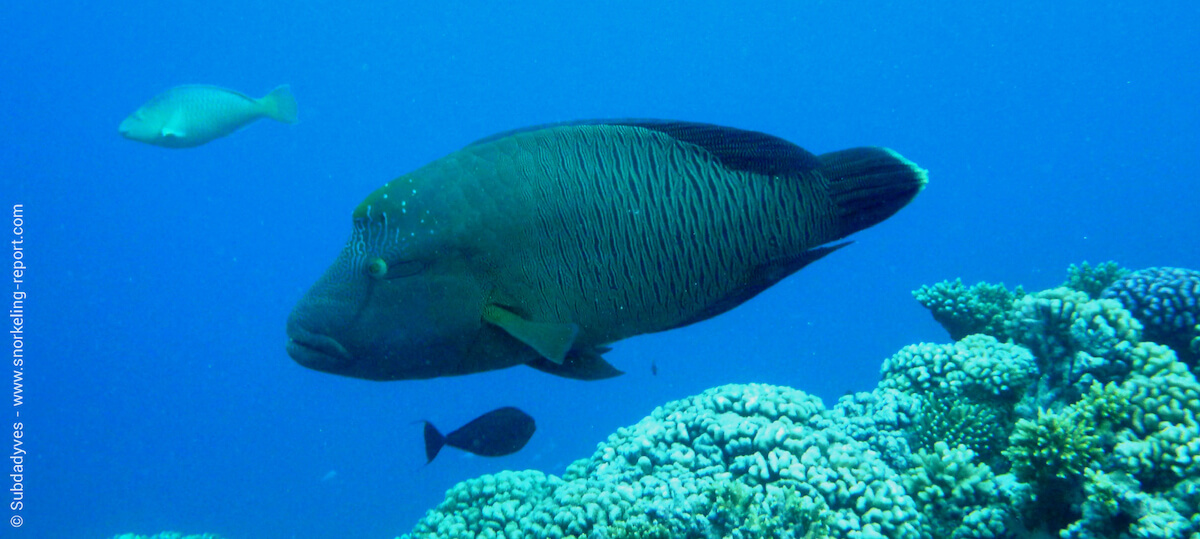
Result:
434,442
869,185
281,105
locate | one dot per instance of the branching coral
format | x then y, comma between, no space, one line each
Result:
1055,445
959,497
1092,280
965,311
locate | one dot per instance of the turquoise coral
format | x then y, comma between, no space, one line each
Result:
1076,340
1055,445
980,428
1050,415
963,311
1114,506
958,496
966,389
1092,280
753,438
978,364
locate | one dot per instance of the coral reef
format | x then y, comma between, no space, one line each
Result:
964,310
735,461
1092,280
957,496
1052,413
1167,302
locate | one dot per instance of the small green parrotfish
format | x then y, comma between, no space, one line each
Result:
545,245
191,115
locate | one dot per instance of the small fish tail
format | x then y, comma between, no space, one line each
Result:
868,185
434,442
281,105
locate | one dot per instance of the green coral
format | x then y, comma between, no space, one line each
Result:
636,529
1055,445
740,511
967,390
1049,454
1126,447
1092,280
1160,445
946,419
1115,506
1163,391
1105,408
958,496
981,308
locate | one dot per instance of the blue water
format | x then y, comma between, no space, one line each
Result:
157,392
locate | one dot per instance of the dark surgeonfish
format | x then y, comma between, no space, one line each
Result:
543,246
500,432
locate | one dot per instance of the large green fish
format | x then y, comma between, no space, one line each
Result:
543,246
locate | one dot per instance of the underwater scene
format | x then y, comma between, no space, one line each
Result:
601,270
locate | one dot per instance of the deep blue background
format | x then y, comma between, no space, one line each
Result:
158,392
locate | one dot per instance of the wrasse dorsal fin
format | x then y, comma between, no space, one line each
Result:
737,149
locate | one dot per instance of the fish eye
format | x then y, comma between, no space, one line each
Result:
377,268
380,269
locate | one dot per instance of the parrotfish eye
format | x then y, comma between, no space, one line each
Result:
377,268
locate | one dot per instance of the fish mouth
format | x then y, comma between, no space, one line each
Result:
315,351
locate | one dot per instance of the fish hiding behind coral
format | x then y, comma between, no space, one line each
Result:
544,245
191,115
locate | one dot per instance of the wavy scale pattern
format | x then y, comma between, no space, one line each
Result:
630,222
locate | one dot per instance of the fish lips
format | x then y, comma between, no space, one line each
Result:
316,351
126,128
